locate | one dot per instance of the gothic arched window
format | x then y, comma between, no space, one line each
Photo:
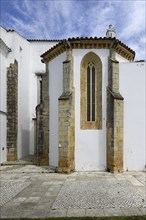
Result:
91,92
91,102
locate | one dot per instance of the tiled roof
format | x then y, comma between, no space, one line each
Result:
89,43
42,40
10,30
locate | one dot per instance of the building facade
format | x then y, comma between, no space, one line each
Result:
81,109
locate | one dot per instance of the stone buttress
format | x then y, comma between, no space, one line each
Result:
12,111
114,116
42,123
66,118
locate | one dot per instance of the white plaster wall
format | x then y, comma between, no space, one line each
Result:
27,55
90,145
20,52
133,89
55,91
4,62
3,110
36,66
3,149
121,59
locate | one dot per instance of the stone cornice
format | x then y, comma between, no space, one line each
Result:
89,43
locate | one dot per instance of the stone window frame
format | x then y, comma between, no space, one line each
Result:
84,124
91,114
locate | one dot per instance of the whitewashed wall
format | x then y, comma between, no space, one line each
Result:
20,52
90,145
27,55
55,91
3,110
5,59
133,89
36,66
120,58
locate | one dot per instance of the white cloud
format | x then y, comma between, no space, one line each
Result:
62,19
135,19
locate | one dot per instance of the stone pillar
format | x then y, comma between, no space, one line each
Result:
114,118
12,111
67,118
42,123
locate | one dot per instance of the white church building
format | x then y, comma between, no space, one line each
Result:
75,104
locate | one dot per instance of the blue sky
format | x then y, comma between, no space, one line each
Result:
59,19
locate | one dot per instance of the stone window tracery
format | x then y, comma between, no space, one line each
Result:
91,86
91,92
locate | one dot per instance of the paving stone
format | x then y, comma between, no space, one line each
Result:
44,205
76,212
94,212
113,212
131,211
57,213
19,199
46,183
19,214
143,210
27,206
32,200
37,194
37,213
50,194
141,189
46,199
58,183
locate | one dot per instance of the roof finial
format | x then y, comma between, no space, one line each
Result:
111,31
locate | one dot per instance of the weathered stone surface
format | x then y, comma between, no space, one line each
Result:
66,119
114,130
42,124
12,111
97,124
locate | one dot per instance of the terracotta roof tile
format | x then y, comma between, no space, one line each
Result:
79,40
42,40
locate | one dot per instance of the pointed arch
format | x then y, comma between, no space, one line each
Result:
91,92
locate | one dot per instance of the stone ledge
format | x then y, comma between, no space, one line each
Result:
65,96
115,95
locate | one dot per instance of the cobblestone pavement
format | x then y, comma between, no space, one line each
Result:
31,191
10,189
99,194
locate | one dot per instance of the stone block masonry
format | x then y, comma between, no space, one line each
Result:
12,111
66,134
114,133
42,124
114,129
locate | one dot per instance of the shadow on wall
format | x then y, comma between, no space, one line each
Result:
24,145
